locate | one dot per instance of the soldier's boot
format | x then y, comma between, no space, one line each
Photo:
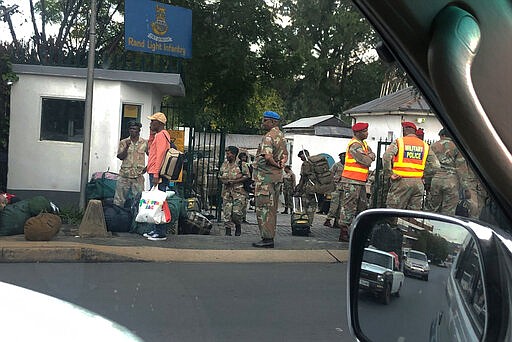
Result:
228,231
285,211
238,229
264,243
327,223
344,237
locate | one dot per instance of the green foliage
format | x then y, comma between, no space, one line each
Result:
435,246
243,62
71,215
7,77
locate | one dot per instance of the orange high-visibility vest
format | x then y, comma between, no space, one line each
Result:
411,158
354,170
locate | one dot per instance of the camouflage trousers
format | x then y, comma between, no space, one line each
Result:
266,197
477,200
288,198
309,205
335,207
233,205
406,193
353,199
126,185
443,195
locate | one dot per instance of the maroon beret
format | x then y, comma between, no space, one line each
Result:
409,124
420,133
360,126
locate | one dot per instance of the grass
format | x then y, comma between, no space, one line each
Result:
71,215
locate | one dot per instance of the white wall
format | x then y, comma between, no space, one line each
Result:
53,165
315,145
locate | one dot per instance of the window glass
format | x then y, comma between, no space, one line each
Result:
469,282
130,113
62,120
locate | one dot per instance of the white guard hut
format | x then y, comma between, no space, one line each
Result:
46,124
385,115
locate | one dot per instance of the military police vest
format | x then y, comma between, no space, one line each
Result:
411,158
354,170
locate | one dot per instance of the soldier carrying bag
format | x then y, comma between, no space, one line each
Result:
322,178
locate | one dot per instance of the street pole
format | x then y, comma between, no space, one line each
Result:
86,148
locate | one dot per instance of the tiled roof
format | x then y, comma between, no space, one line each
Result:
404,100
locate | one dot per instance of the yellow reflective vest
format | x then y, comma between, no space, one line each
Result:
411,158
354,170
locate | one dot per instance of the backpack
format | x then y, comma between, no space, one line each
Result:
322,177
248,183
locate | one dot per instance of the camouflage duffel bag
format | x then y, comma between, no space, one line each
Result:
42,227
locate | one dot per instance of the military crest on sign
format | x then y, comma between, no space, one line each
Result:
159,26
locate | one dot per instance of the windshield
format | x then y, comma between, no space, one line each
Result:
377,259
417,256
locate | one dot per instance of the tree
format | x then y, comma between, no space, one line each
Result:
435,246
328,41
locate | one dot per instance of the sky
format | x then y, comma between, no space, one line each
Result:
21,21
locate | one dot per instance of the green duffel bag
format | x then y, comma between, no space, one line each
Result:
101,186
13,218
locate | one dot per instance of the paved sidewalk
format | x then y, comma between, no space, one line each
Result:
67,246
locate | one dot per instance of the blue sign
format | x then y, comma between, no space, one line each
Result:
154,27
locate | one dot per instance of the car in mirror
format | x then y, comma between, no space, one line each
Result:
468,278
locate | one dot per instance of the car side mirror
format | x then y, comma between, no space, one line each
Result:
432,298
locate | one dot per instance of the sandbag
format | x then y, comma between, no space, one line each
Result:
323,179
42,227
13,218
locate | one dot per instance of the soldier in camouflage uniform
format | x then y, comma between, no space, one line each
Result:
443,195
334,208
271,158
407,163
477,194
234,197
359,157
289,183
306,187
132,151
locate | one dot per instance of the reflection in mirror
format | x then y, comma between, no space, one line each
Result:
421,280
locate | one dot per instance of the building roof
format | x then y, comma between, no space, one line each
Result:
166,84
402,101
324,120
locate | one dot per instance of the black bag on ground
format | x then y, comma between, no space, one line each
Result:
195,223
117,219
323,180
299,219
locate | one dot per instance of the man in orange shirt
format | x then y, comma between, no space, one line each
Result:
158,145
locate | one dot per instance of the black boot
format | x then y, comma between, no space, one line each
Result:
264,243
238,229
285,211
228,231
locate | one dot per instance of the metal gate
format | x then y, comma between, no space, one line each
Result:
205,156
380,185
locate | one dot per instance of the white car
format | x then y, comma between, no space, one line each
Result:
416,264
380,274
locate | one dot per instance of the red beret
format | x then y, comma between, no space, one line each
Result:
420,133
360,126
408,124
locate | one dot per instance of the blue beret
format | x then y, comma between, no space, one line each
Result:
271,115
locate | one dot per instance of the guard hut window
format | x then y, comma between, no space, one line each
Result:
130,113
62,120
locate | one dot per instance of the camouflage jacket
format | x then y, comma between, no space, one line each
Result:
230,172
272,143
451,160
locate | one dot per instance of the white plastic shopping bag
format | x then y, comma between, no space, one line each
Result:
151,207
